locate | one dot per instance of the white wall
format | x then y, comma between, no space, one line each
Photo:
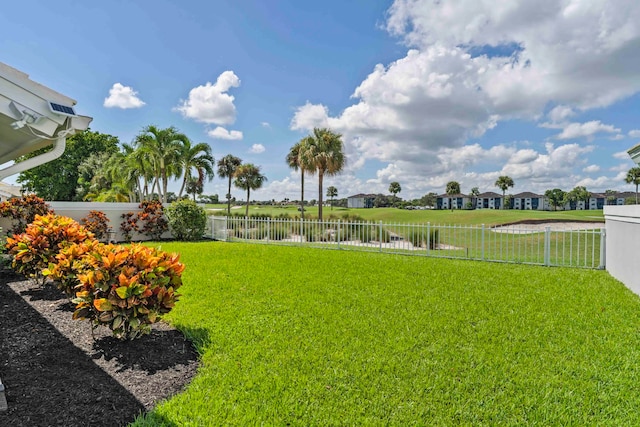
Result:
623,244
79,210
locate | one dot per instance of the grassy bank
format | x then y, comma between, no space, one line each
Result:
309,337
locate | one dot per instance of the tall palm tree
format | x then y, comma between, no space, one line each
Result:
331,193
226,169
394,188
633,177
248,177
475,192
163,147
325,153
297,160
503,183
196,157
453,188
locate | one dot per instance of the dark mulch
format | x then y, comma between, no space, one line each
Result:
56,374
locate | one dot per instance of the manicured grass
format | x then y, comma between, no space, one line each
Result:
488,217
297,336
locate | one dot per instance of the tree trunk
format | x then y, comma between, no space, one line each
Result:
302,193
229,198
320,176
247,211
184,183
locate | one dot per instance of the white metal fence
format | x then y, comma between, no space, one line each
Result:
514,244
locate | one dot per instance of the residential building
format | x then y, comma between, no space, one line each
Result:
361,201
489,200
529,201
453,201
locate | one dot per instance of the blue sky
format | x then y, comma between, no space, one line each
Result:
543,91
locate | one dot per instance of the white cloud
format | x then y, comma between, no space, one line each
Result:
634,133
591,169
617,137
560,113
265,124
585,130
309,116
211,103
257,149
621,155
124,97
222,133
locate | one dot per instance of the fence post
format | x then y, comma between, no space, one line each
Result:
429,238
268,229
603,249
338,234
482,244
301,229
547,246
380,235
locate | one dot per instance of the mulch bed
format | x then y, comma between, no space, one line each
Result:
56,374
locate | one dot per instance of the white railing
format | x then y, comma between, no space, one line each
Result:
514,244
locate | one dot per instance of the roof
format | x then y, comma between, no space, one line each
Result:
489,195
362,196
453,195
527,195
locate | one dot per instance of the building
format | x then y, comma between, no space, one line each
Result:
8,191
361,201
453,201
529,201
489,200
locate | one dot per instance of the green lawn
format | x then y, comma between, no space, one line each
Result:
298,336
479,216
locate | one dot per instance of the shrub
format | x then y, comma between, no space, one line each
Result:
38,246
68,263
126,288
418,238
97,223
153,222
129,225
23,211
187,220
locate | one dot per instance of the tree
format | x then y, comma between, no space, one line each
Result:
197,157
58,179
325,153
556,197
577,194
163,148
429,199
453,188
248,177
332,192
394,188
503,183
226,169
297,159
194,186
611,196
633,177
475,192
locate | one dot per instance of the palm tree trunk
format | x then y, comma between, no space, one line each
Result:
247,210
636,194
302,193
320,176
184,183
229,198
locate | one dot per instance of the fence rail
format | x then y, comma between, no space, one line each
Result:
583,248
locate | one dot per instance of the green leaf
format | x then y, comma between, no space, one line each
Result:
122,291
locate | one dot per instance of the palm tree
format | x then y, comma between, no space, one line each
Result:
226,169
633,177
325,153
394,188
196,157
475,192
503,183
248,177
297,159
163,147
331,193
453,188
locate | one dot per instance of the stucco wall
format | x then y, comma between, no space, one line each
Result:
623,244
79,210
